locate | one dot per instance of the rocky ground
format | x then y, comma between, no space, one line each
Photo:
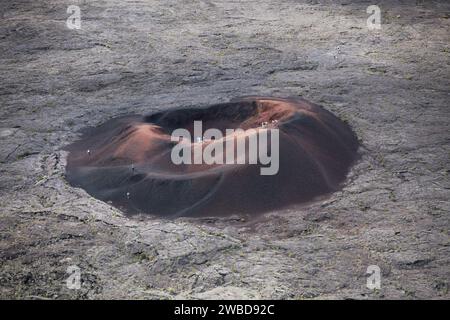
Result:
391,85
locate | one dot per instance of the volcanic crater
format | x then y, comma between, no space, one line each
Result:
127,160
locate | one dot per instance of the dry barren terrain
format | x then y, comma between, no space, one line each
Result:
142,56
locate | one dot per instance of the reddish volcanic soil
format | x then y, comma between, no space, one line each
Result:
127,160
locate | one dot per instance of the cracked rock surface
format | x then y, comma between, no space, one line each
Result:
391,85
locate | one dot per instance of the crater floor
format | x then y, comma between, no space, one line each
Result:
390,85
